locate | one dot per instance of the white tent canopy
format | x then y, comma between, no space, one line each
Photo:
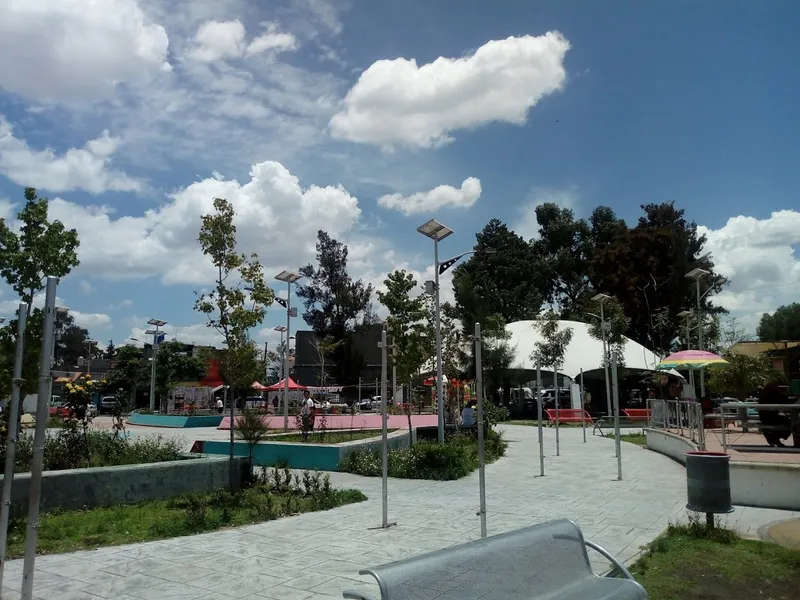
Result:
583,352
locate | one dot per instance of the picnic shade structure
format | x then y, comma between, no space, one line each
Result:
692,360
277,387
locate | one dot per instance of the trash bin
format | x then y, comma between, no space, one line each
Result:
708,483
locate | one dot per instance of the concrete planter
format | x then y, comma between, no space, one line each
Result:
175,421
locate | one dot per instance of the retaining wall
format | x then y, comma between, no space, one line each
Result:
322,457
758,484
175,421
106,486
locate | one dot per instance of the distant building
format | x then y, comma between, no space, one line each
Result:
366,352
784,354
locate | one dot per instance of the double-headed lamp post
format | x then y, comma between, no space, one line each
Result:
289,277
602,298
158,324
697,275
435,231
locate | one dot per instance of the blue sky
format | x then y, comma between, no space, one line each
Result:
136,118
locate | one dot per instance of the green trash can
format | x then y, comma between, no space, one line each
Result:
708,483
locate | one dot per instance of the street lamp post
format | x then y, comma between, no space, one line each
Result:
289,277
281,329
157,323
697,275
601,298
687,314
90,343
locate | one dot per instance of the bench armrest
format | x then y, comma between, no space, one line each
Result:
618,566
354,595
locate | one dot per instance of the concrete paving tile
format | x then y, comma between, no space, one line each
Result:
283,593
169,591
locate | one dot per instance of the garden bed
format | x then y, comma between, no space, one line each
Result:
693,562
326,437
275,494
456,458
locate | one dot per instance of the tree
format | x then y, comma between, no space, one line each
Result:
251,428
617,324
70,342
41,248
743,375
645,267
174,364
335,305
505,276
130,371
323,348
783,324
550,350
111,351
226,307
409,327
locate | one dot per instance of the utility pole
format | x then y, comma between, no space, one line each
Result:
481,449
539,416
384,434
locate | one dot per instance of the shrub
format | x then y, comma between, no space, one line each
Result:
454,459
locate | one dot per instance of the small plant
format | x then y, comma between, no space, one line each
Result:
196,513
251,428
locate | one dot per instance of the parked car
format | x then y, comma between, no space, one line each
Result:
108,404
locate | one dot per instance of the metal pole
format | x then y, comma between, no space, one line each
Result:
384,435
153,372
359,393
558,403
13,433
286,357
700,341
394,377
439,382
481,450
583,409
42,410
266,364
233,415
605,358
539,408
617,440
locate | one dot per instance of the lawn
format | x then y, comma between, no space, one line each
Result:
275,494
693,563
632,438
328,437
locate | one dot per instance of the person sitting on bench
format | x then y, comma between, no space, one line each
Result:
777,425
468,416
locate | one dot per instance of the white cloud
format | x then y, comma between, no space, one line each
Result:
760,258
200,335
90,321
218,40
85,287
443,196
398,102
87,168
276,217
526,224
71,50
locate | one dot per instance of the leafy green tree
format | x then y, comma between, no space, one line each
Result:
618,325
173,365
41,248
505,276
335,304
228,310
550,350
743,375
130,372
409,327
783,324
111,351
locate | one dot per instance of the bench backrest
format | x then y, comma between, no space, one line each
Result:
566,414
636,412
541,561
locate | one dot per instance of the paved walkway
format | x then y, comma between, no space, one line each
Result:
318,555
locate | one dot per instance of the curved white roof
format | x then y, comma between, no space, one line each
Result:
584,351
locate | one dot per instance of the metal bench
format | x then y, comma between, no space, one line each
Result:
568,415
542,561
637,414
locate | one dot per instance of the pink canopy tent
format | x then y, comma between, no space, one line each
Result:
277,387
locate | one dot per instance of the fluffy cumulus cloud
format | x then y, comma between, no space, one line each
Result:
198,334
275,217
397,102
760,257
218,40
443,196
88,168
68,50
90,321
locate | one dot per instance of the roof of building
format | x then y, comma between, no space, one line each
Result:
753,348
583,352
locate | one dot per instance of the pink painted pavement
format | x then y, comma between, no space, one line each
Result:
362,421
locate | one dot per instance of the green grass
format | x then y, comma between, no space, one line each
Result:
693,562
633,438
329,437
456,458
67,531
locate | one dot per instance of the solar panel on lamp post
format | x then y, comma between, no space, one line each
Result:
157,323
289,277
697,275
435,231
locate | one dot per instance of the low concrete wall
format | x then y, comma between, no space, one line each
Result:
762,485
106,486
175,421
322,457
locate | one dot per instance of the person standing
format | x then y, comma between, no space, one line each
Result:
220,405
307,412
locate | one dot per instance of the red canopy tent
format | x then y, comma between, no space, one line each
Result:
277,387
258,387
